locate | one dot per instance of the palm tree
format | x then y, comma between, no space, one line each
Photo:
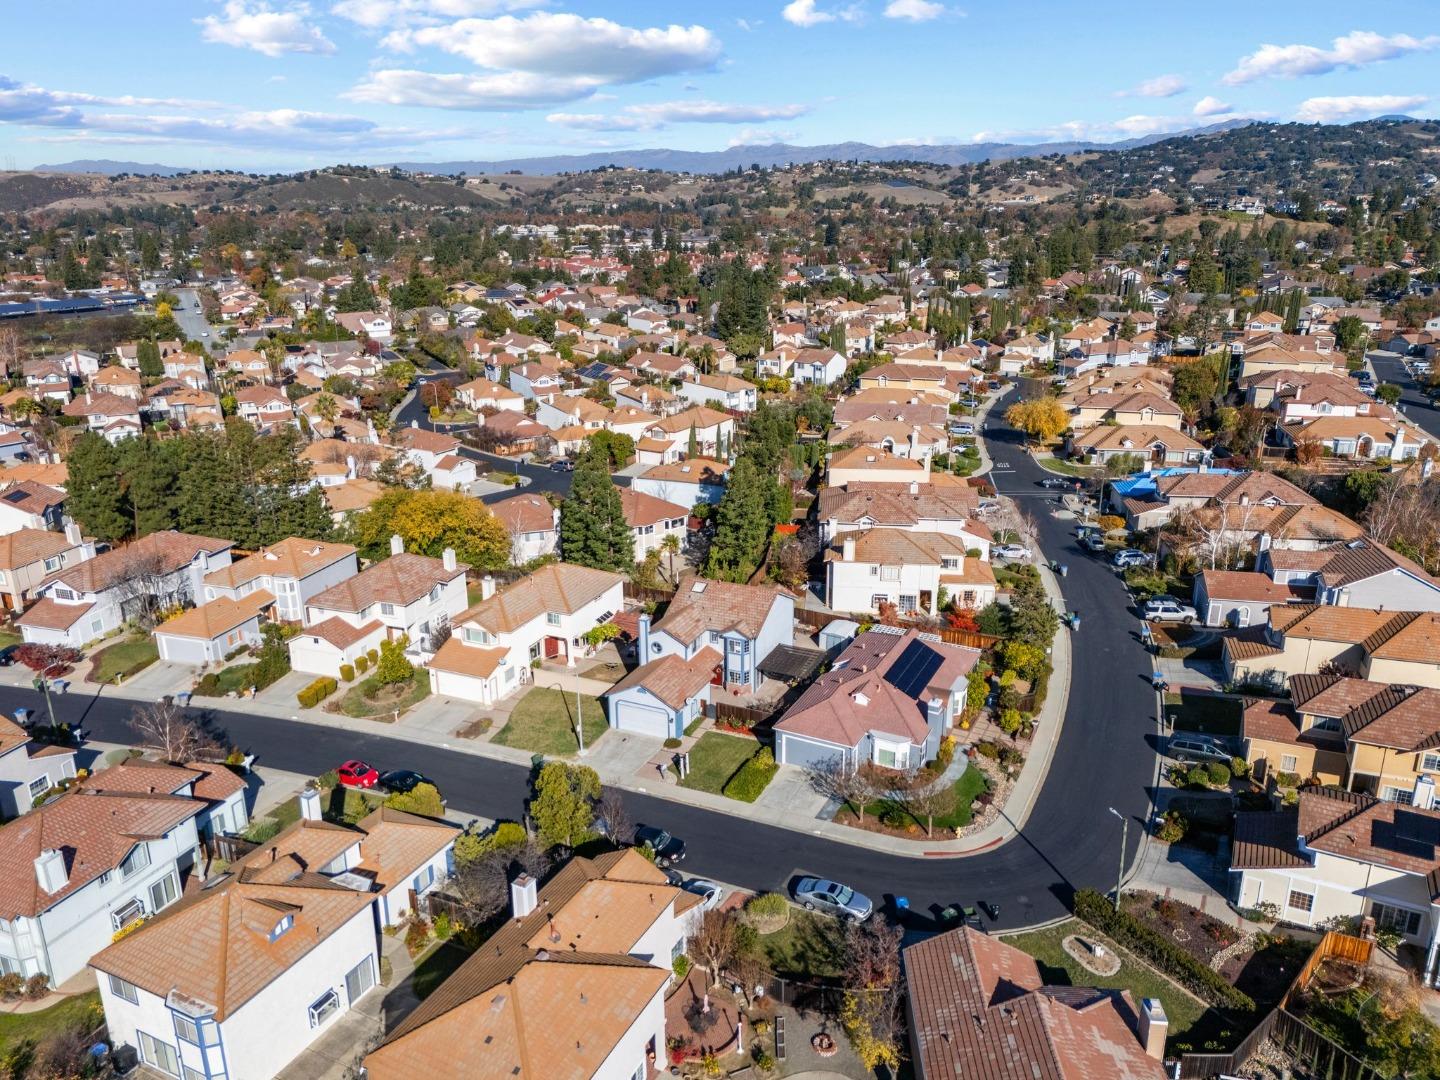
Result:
671,546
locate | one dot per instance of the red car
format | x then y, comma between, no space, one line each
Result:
357,774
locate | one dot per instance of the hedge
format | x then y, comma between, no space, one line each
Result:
750,779
1155,948
347,672
316,692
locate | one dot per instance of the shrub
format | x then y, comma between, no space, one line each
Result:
988,749
394,666
347,672
770,905
329,779
945,755
443,927
1239,768
262,830
1171,829
362,664
373,656
316,692
752,777
12,985
417,934
681,966
423,799
37,986
1287,780
894,816
1219,772
672,743
1156,949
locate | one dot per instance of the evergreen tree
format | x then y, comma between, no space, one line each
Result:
149,471
93,495
148,354
593,530
742,523
693,450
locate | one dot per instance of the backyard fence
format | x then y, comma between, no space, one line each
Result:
818,620
230,848
644,595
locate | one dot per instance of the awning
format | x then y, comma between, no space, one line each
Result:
791,664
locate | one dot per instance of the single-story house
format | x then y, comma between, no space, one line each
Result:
209,633
662,697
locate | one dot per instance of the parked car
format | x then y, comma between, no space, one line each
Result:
1168,609
821,894
1197,748
989,506
399,781
668,849
994,384
562,466
355,773
7,655
962,428
710,892
970,403
1129,557
1013,552
1057,482
1093,542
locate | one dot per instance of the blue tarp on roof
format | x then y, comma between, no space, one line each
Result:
1142,485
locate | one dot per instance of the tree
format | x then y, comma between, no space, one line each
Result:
870,972
1042,419
1350,332
423,799
47,659
147,354
613,818
927,795
166,728
1389,393
481,886
742,524
1124,465
394,666
93,493
593,529
563,805
428,522
671,547
835,779
716,941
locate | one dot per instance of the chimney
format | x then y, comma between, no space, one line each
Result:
524,897
351,470
914,487
397,546
447,559
1154,1025
50,871
643,640
72,532
310,804
847,547
487,586
914,440
1397,443
414,423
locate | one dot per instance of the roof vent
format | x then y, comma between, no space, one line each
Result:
699,586
543,954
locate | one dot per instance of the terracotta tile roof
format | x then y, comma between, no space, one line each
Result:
48,614
702,605
1266,840
47,474
561,587
397,844
701,416
866,457
898,547
1133,437
352,495
1331,695
94,831
1400,717
12,736
642,509
31,497
400,579
340,633
168,551
1247,585
694,471
525,512
293,557
1346,624
1276,721
462,659
219,616
980,1011
1412,637
430,442
672,679
26,546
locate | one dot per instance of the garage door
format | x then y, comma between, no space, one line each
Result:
181,650
642,720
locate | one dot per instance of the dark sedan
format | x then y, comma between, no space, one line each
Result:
668,849
400,781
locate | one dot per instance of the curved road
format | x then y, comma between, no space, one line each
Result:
1105,758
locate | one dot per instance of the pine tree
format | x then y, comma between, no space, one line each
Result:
742,522
693,450
93,496
148,355
593,530
149,471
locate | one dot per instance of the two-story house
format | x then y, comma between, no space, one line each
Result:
1383,646
731,391
714,430
266,408
537,379
743,623
438,455
928,508
111,416
28,769
1139,409
684,483
533,525
479,394
652,520
26,504
908,569
29,556
544,615
661,698
292,570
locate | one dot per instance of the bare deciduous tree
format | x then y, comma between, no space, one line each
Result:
927,796
716,942
836,779
481,888
142,586
168,730
612,818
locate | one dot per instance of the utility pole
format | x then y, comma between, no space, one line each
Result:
579,718
1124,836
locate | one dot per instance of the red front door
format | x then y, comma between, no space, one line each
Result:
552,647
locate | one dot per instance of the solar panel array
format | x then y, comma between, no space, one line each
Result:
912,672
1415,834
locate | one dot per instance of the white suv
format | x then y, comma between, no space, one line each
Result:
1168,609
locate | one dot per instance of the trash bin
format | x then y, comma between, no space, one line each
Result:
902,910
1061,569
183,698
60,686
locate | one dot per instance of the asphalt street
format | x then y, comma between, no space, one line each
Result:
189,317
1105,758
1389,368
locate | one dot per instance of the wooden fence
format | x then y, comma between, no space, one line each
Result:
818,620
229,848
644,595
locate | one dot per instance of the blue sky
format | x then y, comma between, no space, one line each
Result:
281,84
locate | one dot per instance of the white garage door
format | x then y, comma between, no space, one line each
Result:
642,720
453,684
181,650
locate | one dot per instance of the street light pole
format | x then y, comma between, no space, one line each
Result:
1124,836
579,718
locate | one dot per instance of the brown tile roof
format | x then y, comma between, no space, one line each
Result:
562,587
642,509
26,546
168,551
48,614
1266,840
980,1011
352,495
701,416
1246,585
1133,437
866,457
1413,637
293,557
1401,717
526,512
94,830
1371,830
1276,721
701,604
340,633
693,471
1331,695
1363,559
12,736
219,616
462,659
31,497
396,844
400,579
897,547
672,679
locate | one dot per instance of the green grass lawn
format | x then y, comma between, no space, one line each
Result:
543,722
123,658
370,699
1204,713
808,946
714,759
234,679
970,784
1067,468
436,966
9,637
81,1012
1058,969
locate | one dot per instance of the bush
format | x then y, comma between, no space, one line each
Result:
681,966
1239,768
362,664
423,799
1171,829
1219,772
752,777
394,666
12,985
373,656
329,779
671,743
417,935
945,755
316,692
1156,949
443,927
262,830
37,986
347,672
770,905
1287,780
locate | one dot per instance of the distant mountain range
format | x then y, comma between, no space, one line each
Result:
105,167
740,157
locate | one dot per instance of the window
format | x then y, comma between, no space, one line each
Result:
187,1029
909,603
285,923
64,594
162,893
949,562
387,609
553,618
137,860
1287,763
424,879
535,651
1332,723
1301,901
359,979
1401,921
435,594
889,573
127,913
876,599
191,1074
159,1054
475,637
1430,762
39,786
1401,795
124,990
326,1006
52,564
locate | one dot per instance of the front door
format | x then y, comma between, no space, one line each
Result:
552,648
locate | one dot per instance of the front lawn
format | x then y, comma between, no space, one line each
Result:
371,699
543,722
809,946
1067,468
1206,713
436,966
235,679
79,1013
124,659
895,814
715,758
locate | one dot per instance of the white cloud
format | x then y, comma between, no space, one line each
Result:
762,137
914,10
808,13
497,91
661,114
1353,50
1211,106
1162,86
1328,110
375,14
597,122
256,26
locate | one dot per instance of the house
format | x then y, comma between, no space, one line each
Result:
651,520
287,943
25,504
536,379
1124,410
978,1008
1361,438
1301,395
889,699
1384,646
120,381
366,323
409,595
479,394
221,790
714,430
660,698
1155,444
1345,854
1361,573
28,770
744,623
1241,597
292,571
647,398
28,556
78,604
541,616
865,464
909,569
85,865
538,999
1110,352
685,483
514,432
893,437
561,412
533,525
929,508
213,631
731,391
47,379
437,455
1265,322
264,407
1276,357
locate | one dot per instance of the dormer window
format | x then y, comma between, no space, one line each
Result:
286,922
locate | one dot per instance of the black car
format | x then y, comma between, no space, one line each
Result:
1057,482
7,655
399,781
668,849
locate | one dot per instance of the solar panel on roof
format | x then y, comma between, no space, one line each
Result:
15,496
912,672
